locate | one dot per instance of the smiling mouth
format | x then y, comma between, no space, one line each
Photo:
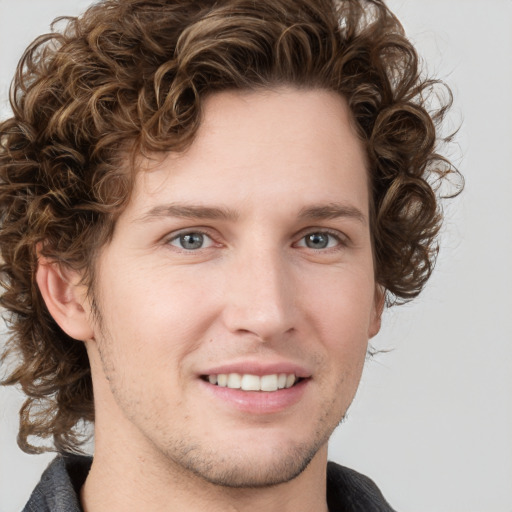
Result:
248,382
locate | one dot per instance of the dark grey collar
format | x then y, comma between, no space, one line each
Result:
59,487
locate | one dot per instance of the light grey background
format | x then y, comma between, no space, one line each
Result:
432,422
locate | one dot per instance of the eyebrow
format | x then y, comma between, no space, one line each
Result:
186,211
332,211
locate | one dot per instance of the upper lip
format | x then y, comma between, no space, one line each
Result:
259,368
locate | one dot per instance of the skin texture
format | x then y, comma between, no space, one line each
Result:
253,294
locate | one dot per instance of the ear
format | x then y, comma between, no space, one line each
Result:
379,302
65,298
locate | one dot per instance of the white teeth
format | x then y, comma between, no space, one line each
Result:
248,382
290,380
234,381
269,382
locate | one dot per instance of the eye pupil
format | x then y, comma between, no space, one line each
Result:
317,240
192,241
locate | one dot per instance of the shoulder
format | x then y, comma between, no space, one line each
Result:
350,491
60,484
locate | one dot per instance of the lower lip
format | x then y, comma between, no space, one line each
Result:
258,402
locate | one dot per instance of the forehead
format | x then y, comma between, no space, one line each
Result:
261,146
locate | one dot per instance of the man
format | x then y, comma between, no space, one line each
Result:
205,206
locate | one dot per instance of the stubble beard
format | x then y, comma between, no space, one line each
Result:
235,470
238,470
194,459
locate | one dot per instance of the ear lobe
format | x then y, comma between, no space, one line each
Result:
65,298
378,308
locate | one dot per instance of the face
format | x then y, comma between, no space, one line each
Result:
237,295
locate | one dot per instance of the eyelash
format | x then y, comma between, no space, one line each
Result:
340,239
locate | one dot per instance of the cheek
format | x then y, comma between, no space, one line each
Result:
159,310
342,306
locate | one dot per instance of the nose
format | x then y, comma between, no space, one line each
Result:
260,296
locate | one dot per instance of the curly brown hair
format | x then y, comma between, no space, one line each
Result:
129,77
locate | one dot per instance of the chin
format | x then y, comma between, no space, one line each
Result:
239,470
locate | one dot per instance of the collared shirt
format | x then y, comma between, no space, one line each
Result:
59,488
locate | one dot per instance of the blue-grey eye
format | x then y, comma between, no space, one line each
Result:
319,240
191,241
